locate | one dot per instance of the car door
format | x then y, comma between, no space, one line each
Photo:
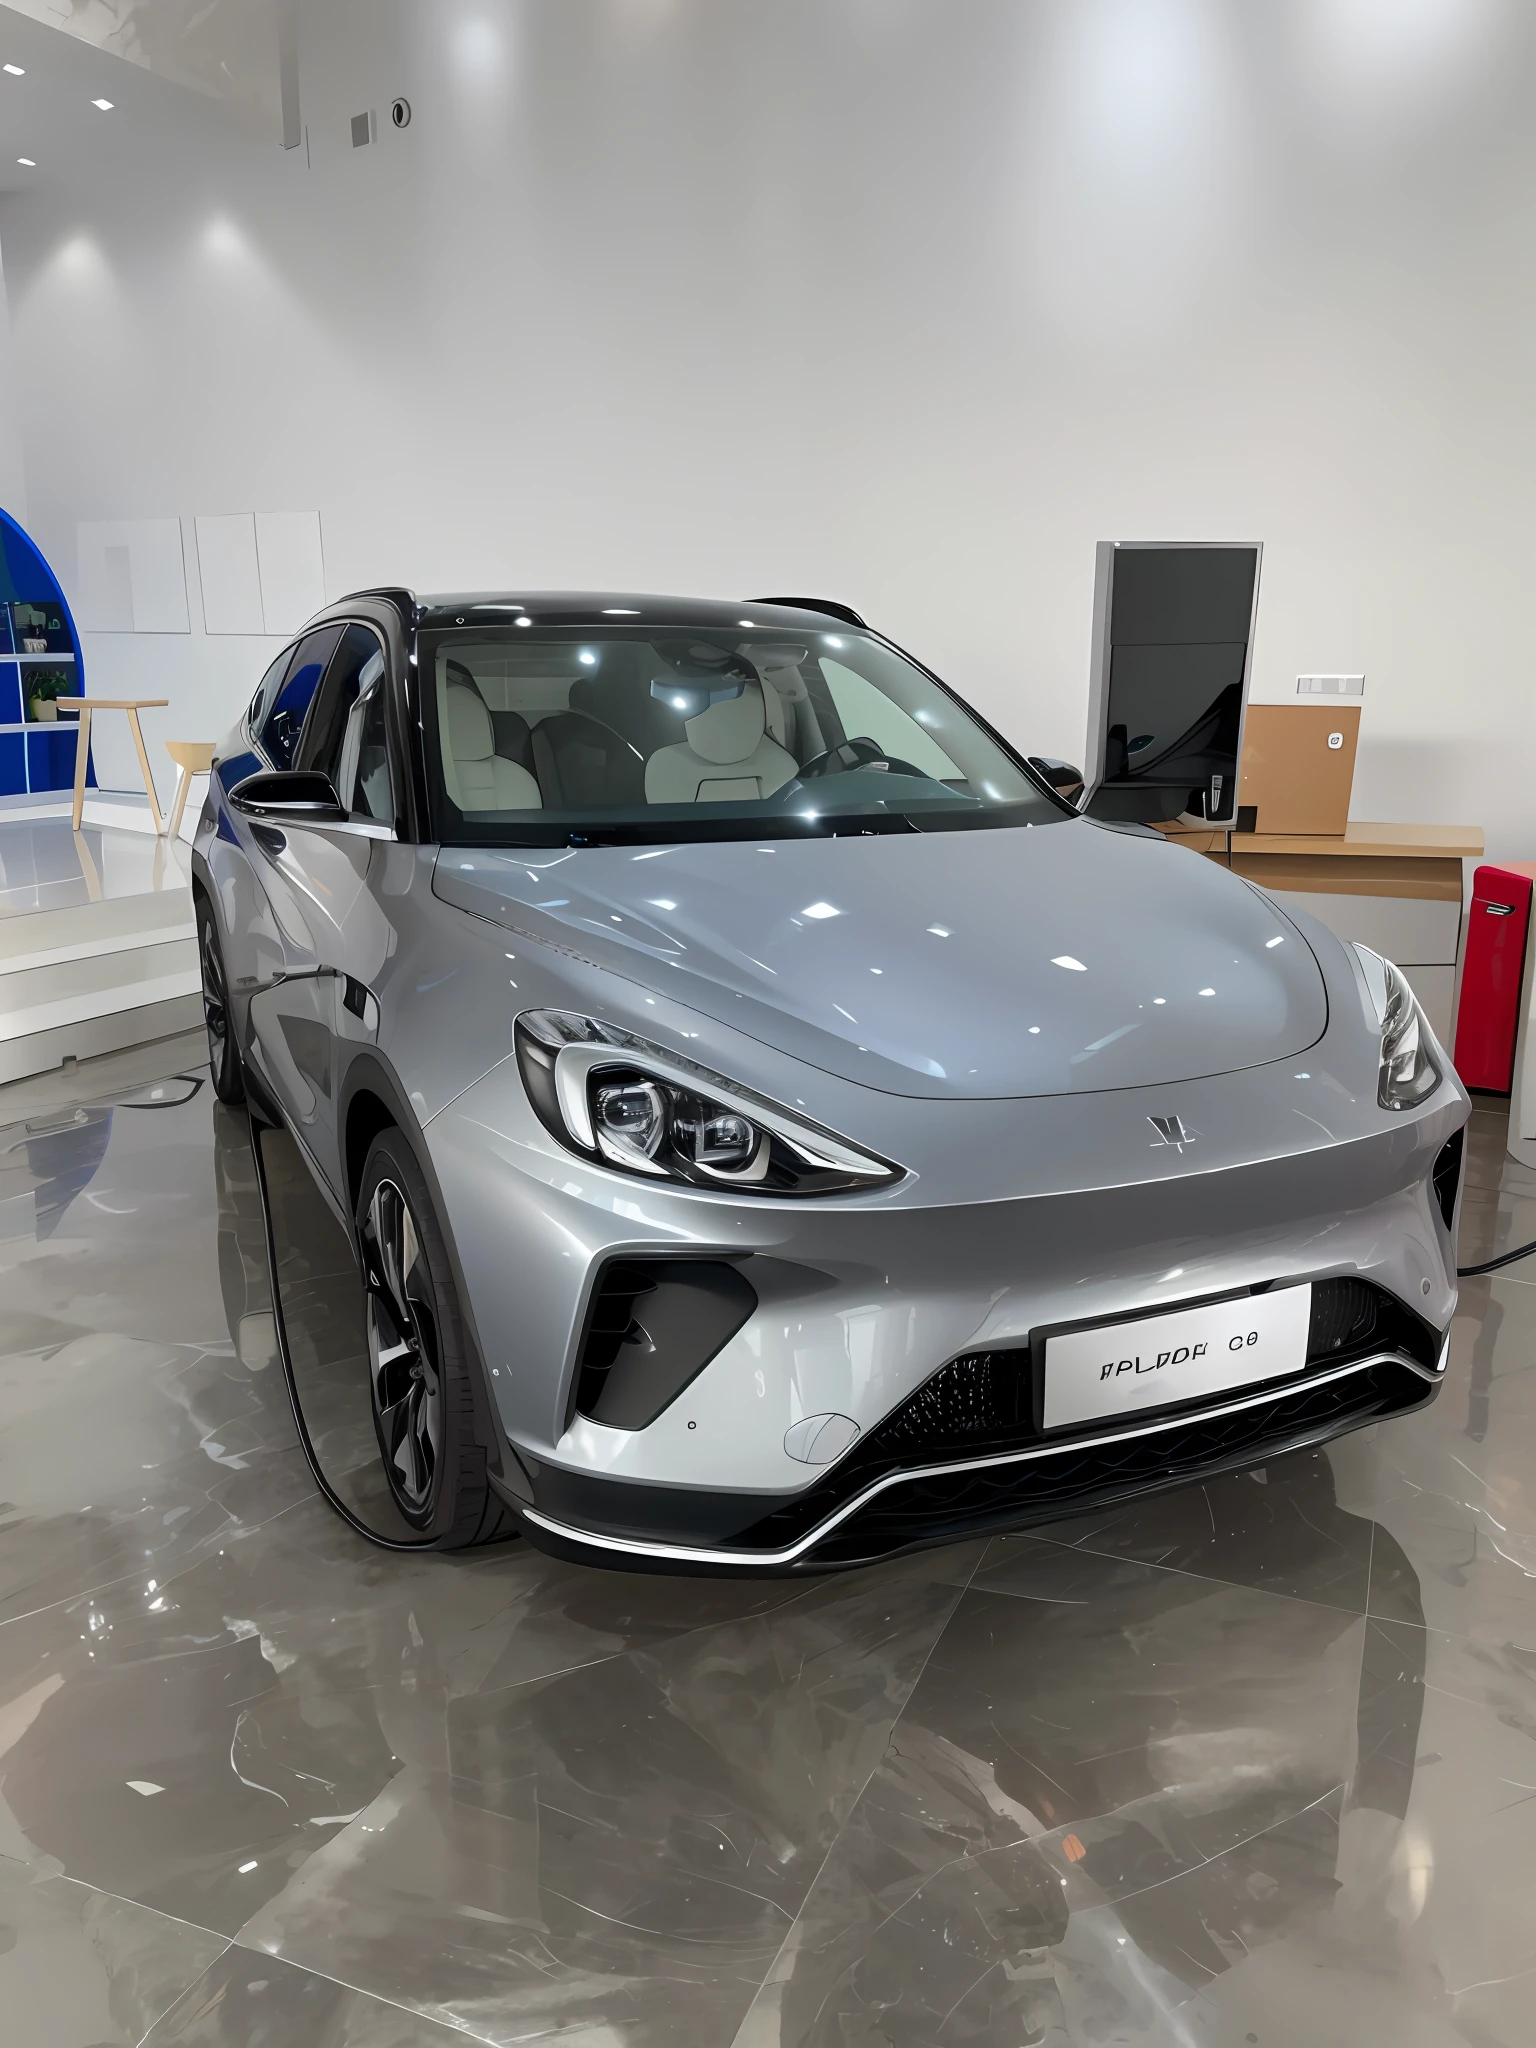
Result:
322,882
254,948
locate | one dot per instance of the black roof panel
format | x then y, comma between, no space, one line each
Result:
605,607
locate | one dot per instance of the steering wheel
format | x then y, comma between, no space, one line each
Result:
844,759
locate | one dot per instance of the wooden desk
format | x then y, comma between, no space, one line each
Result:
133,706
1370,842
1396,888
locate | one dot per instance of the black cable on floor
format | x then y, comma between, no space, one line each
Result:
1492,1265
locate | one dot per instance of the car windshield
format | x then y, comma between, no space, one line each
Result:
550,737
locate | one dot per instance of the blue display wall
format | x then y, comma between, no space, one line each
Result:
40,660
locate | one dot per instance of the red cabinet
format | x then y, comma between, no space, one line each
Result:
1492,976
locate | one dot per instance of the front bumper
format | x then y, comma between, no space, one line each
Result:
965,1455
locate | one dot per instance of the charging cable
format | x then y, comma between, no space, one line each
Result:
1492,1265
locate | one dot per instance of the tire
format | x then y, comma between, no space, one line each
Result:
223,1053
419,1361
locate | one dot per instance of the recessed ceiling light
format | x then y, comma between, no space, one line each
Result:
105,105
16,70
28,161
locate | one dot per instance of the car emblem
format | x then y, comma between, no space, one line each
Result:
1171,1130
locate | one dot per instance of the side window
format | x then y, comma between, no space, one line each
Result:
345,734
371,794
266,690
282,725
868,713
326,725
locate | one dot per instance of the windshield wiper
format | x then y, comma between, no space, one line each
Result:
782,825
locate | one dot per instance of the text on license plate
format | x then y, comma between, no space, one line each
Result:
1181,1355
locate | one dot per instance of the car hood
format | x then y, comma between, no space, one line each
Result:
1039,960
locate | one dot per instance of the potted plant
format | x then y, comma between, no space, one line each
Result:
42,690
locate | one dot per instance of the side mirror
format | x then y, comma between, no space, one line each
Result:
1066,780
295,796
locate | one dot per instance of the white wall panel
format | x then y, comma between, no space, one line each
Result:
230,576
292,568
132,577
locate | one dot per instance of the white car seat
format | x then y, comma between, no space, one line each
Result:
728,757
476,776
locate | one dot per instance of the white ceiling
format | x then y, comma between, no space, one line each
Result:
225,49
47,114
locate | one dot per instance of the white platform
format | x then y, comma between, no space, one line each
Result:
126,810
98,947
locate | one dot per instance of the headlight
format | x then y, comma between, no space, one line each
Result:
1408,1073
612,1096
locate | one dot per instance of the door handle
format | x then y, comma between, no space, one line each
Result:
269,839
1499,909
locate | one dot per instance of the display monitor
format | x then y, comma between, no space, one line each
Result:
1172,648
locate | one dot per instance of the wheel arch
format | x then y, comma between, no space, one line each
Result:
372,1100
367,1114
202,882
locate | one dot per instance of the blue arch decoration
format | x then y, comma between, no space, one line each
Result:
36,753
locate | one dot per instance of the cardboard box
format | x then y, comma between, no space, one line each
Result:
1298,767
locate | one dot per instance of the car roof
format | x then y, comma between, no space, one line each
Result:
599,608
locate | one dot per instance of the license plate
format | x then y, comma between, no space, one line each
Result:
1185,1354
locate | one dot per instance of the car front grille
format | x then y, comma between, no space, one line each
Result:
984,1403
971,1501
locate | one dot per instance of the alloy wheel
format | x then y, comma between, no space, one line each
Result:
404,1358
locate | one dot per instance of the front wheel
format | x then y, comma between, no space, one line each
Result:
223,1053
419,1363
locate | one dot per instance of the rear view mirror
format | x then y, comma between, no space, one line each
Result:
297,796
1066,780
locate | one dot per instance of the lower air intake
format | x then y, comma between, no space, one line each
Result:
652,1327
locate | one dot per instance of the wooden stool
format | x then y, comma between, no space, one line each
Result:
133,706
192,757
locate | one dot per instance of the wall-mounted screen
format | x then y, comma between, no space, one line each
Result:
1172,645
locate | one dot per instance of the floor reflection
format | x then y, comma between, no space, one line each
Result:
1245,1763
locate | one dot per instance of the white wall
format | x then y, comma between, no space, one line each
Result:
13,475
903,302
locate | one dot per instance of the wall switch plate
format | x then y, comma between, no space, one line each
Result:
1330,686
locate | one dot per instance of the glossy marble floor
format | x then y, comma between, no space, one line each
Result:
1250,1763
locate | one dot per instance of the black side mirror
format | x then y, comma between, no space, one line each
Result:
296,796
1066,780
